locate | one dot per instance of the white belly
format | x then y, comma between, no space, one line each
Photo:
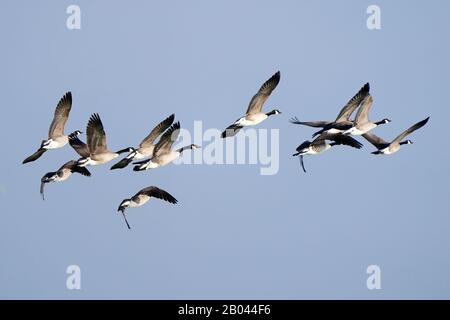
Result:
143,201
252,119
139,156
64,177
168,158
150,165
53,144
390,150
334,131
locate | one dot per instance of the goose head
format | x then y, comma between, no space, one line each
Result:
123,205
303,148
384,121
129,149
275,111
406,142
75,134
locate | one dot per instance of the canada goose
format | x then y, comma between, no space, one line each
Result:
56,138
96,142
162,153
63,174
320,145
146,147
362,124
342,121
392,147
254,115
142,197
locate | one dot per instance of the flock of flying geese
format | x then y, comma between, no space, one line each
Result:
153,152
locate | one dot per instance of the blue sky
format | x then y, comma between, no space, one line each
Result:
308,235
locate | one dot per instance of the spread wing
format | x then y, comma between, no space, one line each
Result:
362,116
264,92
96,136
72,165
158,193
354,102
60,117
167,139
79,146
410,130
378,142
158,130
340,138
314,124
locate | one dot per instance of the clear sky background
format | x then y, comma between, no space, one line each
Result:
306,235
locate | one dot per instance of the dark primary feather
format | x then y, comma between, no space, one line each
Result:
314,124
342,139
158,130
264,92
353,103
96,136
411,129
168,138
81,170
80,147
158,193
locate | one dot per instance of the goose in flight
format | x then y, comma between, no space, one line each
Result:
254,114
147,145
393,146
342,121
63,174
162,153
96,143
142,197
362,124
320,145
56,138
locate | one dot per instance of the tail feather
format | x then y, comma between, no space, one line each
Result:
231,131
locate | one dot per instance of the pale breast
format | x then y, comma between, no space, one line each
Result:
253,119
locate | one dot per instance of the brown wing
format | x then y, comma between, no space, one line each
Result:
167,139
158,193
339,138
158,130
354,102
410,130
264,92
60,117
314,124
79,146
96,136
362,116
378,142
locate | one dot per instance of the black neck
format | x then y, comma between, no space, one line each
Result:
185,148
123,150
